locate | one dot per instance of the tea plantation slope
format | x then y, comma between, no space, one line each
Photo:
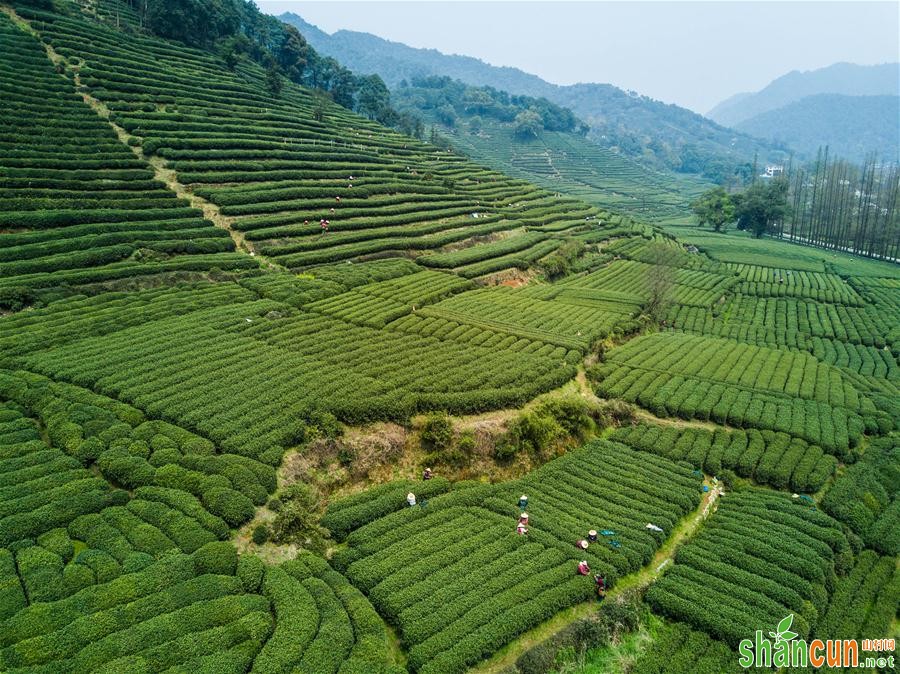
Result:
864,602
194,611
678,649
97,578
862,338
582,309
457,581
865,496
242,361
573,165
762,556
198,492
772,389
768,457
76,206
277,168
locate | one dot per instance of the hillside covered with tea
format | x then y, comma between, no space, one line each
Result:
275,377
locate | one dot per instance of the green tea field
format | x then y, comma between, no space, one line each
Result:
275,379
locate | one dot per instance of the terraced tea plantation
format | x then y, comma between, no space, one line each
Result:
97,578
458,581
760,558
743,385
569,163
777,459
230,307
80,207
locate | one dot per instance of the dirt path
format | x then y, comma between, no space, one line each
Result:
686,528
644,415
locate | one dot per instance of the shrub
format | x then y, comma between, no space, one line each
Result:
231,506
88,450
575,415
728,478
298,519
126,469
219,557
57,541
437,431
261,533
250,571
534,432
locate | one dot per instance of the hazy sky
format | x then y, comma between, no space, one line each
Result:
691,53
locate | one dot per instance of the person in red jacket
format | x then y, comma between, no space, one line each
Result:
583,567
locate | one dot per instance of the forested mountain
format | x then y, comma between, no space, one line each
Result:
546,144
660,134
848,79
451,99
851,126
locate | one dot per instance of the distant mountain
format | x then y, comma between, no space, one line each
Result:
394,61
841,78
662,135
852,126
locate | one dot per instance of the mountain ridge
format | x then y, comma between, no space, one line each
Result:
845,78
851,126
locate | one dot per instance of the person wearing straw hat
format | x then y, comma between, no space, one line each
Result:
411,499
592,536
583,567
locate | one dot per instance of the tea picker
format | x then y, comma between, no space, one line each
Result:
600,582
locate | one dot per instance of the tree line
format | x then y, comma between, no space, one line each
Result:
831,203
839,205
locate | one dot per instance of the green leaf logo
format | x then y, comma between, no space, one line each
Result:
783,631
